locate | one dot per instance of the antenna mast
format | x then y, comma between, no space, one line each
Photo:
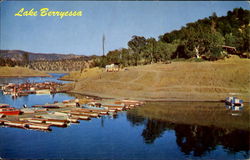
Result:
103,40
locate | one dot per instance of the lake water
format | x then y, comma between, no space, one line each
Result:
127,136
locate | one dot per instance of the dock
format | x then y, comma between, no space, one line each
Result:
61,114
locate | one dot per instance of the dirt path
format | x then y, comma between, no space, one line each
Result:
197,81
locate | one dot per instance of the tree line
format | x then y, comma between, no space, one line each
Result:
202,39
73,64
60,65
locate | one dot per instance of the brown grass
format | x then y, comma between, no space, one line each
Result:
20,72
192,81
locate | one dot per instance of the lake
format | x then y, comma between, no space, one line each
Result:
149,132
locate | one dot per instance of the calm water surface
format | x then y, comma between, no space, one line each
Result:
127,136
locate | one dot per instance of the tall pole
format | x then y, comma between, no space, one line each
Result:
103,40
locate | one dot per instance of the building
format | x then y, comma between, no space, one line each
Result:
112,68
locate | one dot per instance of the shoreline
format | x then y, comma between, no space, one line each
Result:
144,99
24,76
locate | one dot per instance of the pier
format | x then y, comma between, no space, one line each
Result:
62,114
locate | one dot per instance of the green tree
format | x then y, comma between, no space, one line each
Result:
149,50
26,59
137,44
230,39
164,51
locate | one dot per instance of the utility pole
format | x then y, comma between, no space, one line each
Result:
103,40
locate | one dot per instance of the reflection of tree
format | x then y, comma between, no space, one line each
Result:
236,141
201,139
135,119
154,129
193,139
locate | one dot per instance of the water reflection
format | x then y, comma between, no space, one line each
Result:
54,77
194,140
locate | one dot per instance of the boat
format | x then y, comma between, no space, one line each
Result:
18,124
34,120
43,91
130,102
4,105
28,110
234,103
10,111
67,118
89,114
79,116
23,93
47,106
56,122
39,126
93,105
37,106
115,106
2,121
101,112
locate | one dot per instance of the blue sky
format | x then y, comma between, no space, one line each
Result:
119,21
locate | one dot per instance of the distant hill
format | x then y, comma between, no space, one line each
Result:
44,61
17,55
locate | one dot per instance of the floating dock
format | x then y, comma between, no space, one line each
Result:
61,114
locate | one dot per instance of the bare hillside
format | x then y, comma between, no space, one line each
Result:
20,72
192,81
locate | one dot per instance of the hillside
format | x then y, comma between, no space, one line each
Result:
44,62
18,55
20,72
192,81
211,38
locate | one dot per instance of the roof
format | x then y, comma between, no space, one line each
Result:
228,47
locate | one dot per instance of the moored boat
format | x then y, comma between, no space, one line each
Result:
4,105
10,111
39,126
46,106
2,121
234,103
28,110
89,114
60,116
2,115
56,122
94,105
43,91
101,112
34,120
79,116
18,124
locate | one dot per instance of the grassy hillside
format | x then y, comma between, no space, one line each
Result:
19,72
176,81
